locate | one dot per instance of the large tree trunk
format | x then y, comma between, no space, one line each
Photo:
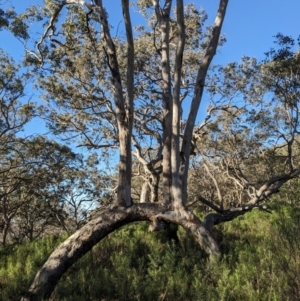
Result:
176,107
163,19
85,238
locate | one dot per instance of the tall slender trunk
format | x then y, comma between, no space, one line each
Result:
124,187
197,95
176,108
154,187
124,105
163,18
6,217
145,193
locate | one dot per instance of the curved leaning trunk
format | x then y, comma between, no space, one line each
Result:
89,235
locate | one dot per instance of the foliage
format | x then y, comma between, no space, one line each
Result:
30,169
19,264
34,170
259,263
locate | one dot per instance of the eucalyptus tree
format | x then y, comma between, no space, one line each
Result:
29,165
7,17
80,192
127,93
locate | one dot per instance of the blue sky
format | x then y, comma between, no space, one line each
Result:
249,25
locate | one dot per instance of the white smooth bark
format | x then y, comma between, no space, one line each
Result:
176,107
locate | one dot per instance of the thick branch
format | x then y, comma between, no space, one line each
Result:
51,25
272,186
130,54
190,222
198,92
85,238
123,108
216,185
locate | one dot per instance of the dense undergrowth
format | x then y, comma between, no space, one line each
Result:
260,261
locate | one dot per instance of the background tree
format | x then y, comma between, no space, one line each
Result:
35,166
255,136
13,117
31,166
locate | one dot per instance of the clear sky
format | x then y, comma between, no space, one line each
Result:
251,24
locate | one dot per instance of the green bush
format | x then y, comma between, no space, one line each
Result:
261,261
20,263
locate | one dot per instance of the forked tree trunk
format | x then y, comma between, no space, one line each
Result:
89,235
174,190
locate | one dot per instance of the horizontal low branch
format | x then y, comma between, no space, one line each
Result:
221,216
209,204
213,219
